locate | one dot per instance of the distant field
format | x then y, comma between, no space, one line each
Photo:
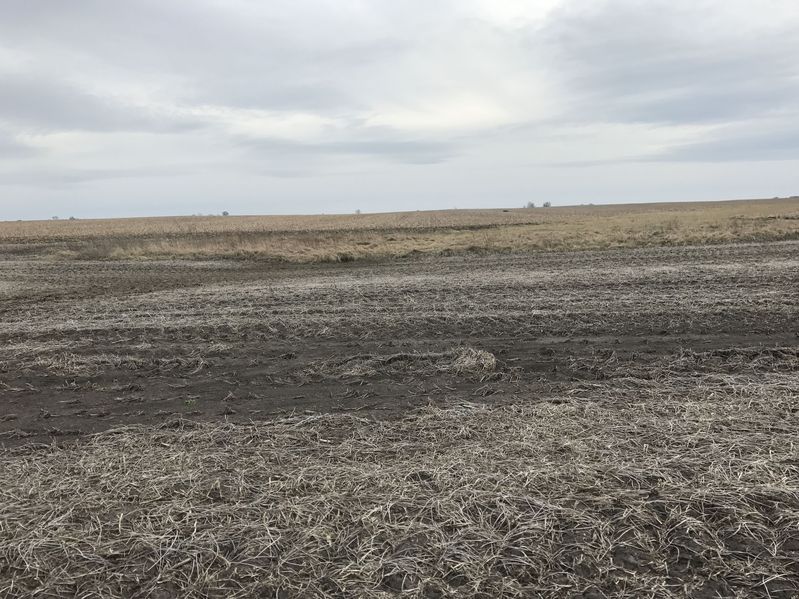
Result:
334,238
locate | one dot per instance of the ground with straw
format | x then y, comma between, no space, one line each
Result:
623,495
592,424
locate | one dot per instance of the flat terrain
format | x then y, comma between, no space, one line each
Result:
617,423
343,238
85,346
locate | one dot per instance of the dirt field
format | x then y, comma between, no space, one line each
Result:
87,346
617,423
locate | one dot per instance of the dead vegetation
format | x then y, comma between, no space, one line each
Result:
88,365
640,439
691,363
467,362
662,498
344,238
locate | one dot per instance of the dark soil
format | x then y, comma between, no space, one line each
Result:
89,346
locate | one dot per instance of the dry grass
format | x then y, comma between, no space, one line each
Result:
467,362
375,236
70,364
607,495
211,225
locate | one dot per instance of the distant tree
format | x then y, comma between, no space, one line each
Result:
225,213
547,204
358,211
55,218
72,218
530,205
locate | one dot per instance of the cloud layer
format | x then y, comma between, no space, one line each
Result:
137,107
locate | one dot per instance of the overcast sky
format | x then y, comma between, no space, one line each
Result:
138,107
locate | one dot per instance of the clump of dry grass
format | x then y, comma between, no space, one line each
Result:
468,362
671,497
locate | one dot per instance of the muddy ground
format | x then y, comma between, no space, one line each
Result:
89,346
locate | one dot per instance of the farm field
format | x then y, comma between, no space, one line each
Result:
600,423
343,238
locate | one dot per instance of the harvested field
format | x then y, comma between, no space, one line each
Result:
616,423
343,238
593,496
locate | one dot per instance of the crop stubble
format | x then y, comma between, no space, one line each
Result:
595,424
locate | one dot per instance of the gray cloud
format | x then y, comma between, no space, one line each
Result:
755,143
10,148
404,151
213,52
44,104
670,62
428,101
59,177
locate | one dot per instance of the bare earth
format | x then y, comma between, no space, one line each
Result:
679,360
89,346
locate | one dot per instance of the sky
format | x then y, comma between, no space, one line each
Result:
146,107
